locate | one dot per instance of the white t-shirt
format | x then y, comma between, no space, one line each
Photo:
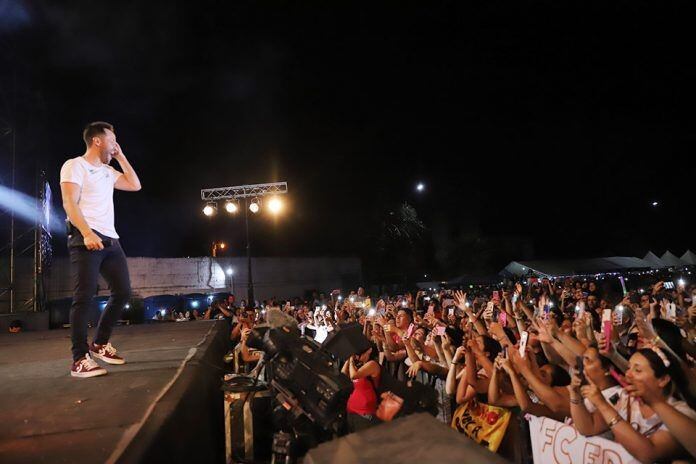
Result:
648,425
321,333
96,200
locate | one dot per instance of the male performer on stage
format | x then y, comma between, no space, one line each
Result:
87,184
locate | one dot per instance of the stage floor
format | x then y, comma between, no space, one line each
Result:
48,416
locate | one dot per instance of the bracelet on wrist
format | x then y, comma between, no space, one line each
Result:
575,400
615,420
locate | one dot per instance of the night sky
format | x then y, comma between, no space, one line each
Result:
541,129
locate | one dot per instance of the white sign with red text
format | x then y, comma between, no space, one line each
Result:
559,443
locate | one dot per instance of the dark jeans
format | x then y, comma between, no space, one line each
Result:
85,267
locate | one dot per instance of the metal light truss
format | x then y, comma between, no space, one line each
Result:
244,191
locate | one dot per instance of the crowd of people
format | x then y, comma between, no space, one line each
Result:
608,361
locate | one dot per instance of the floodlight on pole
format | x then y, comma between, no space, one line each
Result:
231,207
251,194
210,209
275,205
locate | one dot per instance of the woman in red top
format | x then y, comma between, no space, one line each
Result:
364,371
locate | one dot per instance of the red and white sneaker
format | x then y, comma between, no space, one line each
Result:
106,353
86,367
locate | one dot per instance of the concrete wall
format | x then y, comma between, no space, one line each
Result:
280,277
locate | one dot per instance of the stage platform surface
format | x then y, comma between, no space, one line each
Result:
164,399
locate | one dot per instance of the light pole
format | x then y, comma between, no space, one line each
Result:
239,192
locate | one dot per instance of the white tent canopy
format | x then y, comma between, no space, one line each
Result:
689,257
618,264
655,262
554,268
669,259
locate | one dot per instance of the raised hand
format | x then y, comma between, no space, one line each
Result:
459,354
644,326
649,392
118,153
460,301
592,392
544,335
575,381
474,348
521,364
414,369
498,363
657,287
580,327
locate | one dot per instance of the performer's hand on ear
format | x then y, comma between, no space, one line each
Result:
118,154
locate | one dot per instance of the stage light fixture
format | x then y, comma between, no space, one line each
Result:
231,207
230,271
254,206
210,209
275,205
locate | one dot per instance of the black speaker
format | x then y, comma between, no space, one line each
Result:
248,422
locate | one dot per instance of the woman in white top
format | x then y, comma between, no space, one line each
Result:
634,424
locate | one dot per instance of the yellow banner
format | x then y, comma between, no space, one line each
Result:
482,423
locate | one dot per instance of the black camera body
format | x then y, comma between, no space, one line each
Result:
303,369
